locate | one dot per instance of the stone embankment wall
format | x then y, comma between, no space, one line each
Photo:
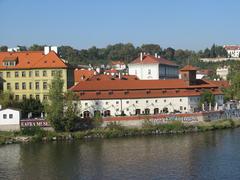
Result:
137,121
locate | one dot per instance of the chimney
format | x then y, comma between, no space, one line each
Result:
46,50
54,48
159,57
141,56
156,56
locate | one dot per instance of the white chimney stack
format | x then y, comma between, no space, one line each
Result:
156,55
55,49
141,56
46,50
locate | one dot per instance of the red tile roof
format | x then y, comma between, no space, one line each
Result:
189,68
105,77
149,59
83,74
223,84
232,47
141,89
32,60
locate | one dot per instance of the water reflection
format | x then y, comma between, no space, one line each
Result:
211,155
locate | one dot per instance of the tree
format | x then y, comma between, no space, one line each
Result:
207,98
31,105
54,109
235,85
151,48
36,47
7,99
70,112
3,48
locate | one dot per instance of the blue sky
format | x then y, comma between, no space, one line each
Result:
186,24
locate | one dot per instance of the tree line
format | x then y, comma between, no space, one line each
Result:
128,52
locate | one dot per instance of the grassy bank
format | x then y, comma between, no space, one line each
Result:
114,130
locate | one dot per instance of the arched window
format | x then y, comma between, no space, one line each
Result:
165,110
86,114
156,111
147,111
107,113
138,111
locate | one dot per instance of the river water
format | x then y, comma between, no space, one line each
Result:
208,155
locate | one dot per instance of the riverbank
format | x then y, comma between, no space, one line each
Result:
114,130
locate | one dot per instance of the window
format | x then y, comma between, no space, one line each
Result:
8,74
86,104
180,100
36,85
16,97
44,73
23,74
147,111
107,113
44,85
30,85
86,114
127,102
30,73
106,103
37,73
45,97
136,102
156,101
96,103
185,108
10,116
16,74
53,73
164,100
156,111
23,85
37,97
8,86
149,71
24,96
4,116
127,109
138,111
16,85
146,101
117,102
181,108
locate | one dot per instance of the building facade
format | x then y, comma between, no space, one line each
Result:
222,72
232,50
148,67
9,119
29,74
138,97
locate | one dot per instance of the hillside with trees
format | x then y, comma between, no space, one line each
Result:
127,52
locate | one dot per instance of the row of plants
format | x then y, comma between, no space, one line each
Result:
115,130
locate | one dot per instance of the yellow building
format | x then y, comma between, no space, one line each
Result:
28,74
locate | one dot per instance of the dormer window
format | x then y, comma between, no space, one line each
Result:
10,61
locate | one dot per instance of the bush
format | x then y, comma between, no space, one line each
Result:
31,131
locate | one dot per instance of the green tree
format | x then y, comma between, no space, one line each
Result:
70,111
7,99
36,47
235,85
151,48
3,48
206,98
54,108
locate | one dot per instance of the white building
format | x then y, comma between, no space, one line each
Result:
232,50
148,67
9,119
137,97
118,65
223,72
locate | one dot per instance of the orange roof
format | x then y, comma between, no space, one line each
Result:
149,59
189,68
224,84
232,47
140,84
137,94
32,60
111,71
83,74
105,77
